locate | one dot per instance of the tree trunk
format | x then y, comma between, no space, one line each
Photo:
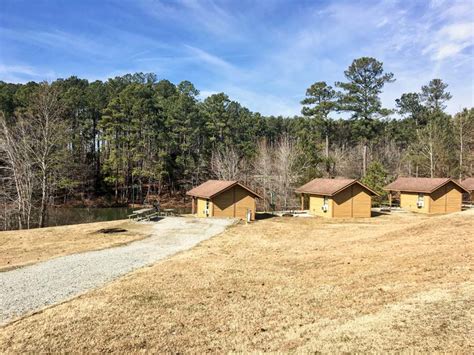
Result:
460,149
364,159
327,145
43,205
116,188
96,151
431,160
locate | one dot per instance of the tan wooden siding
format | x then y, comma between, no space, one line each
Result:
361,202
408,202
201,206
231,203
355,201
438,201
343,204
224,204
243,202
453,198
446,199
315,206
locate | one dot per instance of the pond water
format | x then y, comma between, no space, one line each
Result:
61,216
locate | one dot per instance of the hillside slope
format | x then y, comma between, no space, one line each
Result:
304,284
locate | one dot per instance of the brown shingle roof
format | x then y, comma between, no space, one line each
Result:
212,188
424,185
329,187
468,183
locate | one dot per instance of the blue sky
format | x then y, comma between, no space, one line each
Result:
263,53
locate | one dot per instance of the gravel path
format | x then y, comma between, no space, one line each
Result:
33,287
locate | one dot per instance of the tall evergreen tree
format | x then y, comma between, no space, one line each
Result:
434,95
409,105
361,96
376,177
319,102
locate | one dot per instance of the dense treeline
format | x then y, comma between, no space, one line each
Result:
134,138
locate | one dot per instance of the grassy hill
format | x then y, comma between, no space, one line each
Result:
394,282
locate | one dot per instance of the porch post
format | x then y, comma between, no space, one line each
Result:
193,205
302,202
390,199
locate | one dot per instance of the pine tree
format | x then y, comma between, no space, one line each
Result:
361,96
376,177
320,101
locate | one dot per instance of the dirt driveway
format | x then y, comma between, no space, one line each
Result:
30,288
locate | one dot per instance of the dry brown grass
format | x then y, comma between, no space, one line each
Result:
389,283
19,248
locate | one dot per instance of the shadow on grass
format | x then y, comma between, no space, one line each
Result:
379,213
264,215
156,218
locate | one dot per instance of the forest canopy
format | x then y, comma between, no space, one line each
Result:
135,138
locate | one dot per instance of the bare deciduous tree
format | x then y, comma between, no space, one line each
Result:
45,127
432,149
464,130
285,166
227,164
33,151
347,161
390,155
17,174
263,168
277,170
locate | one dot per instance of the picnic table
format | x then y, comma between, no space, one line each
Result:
144,213
148,213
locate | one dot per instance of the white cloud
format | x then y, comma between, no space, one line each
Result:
451,40
205,15
18,69
263,102
19,73
55,39
459,31
417,45
212,63
208,58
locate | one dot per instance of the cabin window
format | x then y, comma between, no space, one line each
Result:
421,200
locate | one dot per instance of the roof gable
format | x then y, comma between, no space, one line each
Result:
423,185
212,188
468,183
330,187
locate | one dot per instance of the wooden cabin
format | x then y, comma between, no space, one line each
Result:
428,195
220,198
468,184
337,198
